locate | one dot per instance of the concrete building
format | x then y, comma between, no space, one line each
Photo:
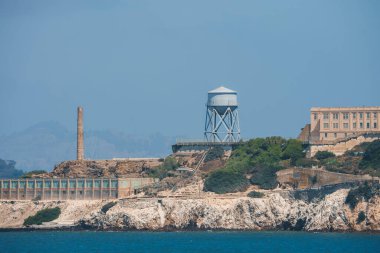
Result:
331,124
71,188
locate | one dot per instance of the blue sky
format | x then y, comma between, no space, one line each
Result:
146,66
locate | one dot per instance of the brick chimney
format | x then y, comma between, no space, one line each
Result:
80,144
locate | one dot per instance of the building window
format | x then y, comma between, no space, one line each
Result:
375,125
335,135
335,115
354,115
360,115
325,125
361,124
345,115
354,125
325,135
345,125
375,115
368,125
47,184
89,184
345,135
335,125
30,184
326,115
368,115
315,116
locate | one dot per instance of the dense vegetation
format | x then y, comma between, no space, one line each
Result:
8,170
45,215
169,164
371,157
321,155
259,160
33,172
214,153
224,180
255,194
108,206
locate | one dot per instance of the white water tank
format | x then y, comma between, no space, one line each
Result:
221,98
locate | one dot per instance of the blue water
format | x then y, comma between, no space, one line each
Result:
188,242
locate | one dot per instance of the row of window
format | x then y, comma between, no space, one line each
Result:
335,135
64,184
354,125
346,115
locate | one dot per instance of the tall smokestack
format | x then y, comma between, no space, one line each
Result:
80,145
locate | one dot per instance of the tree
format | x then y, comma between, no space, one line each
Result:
371,157
293,151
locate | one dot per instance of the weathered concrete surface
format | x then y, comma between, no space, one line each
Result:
277,210
303,178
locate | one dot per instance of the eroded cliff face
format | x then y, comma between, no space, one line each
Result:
277,210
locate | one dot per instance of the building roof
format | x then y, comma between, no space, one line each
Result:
354,108
222,89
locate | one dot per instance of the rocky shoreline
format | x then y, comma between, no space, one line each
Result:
277,210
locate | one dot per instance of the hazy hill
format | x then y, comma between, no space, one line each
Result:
48,143
8,170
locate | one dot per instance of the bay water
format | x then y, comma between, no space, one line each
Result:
205,241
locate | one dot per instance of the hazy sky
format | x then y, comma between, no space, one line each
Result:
146,66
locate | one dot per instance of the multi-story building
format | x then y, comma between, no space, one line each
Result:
330,124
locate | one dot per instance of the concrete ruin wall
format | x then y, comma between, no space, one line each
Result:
303,178
341,147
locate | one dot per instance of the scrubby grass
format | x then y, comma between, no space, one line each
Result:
45,215
255,194
108,206
169,164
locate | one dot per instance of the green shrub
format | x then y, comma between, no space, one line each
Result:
44,215
214,154
361,217
265,176
321,155
293,151
255,194
371,157
223,181
108,206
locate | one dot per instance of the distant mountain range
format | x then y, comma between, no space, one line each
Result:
45,144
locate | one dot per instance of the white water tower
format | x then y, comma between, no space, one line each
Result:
222,118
